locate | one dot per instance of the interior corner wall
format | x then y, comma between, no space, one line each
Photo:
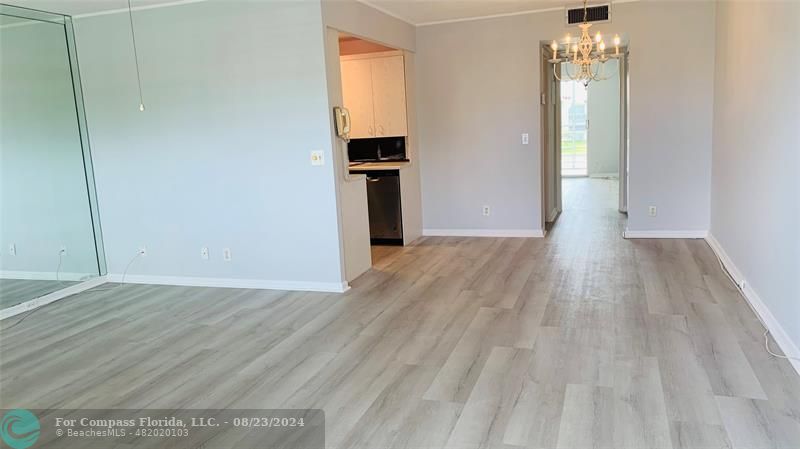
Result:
755,211
360,20
236,100
478,91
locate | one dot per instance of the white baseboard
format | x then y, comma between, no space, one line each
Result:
46,276
483,232
332,287
628,234
51,297
780,336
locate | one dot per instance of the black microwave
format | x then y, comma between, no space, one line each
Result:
377,149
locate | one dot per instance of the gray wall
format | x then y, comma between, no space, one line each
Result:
755,205
603,140
43,196
478,90
236,100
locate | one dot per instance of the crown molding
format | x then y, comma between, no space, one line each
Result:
510,14
385,11
137,8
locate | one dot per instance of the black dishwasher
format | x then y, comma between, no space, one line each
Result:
385,211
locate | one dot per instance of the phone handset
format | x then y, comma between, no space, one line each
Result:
342,116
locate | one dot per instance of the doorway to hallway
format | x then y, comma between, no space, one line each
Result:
584,133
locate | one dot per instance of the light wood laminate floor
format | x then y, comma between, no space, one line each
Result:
581,339
17,291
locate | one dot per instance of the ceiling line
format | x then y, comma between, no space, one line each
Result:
511,14
386,11
137,8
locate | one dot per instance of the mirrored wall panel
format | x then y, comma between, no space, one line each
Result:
49,229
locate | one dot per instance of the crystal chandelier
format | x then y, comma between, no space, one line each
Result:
588,55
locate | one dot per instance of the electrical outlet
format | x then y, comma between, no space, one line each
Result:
652,211
12,249
486,211
525,138
317,158
143,251
63,250
204,253
226,254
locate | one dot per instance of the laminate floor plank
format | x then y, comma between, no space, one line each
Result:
580,339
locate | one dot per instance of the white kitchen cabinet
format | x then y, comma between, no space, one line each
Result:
374,90
357,96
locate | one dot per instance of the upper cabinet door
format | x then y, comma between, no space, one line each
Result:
389,93
357,97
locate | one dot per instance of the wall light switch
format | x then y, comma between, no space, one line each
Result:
63,250
204,253
12,250
226,254
652,211
317,158
525,139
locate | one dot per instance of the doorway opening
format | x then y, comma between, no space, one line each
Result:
584,139
378,197
574,128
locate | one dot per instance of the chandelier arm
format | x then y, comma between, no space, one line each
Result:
555,74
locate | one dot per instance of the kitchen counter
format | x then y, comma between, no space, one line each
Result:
367,166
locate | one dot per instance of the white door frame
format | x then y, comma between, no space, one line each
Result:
553,94
624,128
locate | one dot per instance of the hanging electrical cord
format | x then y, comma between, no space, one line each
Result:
94,290
136,57
741,292
58,268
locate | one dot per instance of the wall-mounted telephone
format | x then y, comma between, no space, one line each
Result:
342,116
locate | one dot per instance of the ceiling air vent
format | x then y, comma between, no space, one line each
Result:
594,13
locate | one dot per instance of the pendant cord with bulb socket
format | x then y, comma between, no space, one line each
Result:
136,57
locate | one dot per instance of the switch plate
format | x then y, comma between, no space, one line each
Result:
486,211
226,254
63,250
12,250
525,138
317,158
143,251
652,211
204,253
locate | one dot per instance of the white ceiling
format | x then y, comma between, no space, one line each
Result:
412,11
420,12
78,7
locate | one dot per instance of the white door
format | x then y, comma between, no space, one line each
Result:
389,94
357,97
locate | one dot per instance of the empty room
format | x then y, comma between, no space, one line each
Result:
335,224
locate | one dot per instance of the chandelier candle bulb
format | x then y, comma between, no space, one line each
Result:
554,46
566,45
598,37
